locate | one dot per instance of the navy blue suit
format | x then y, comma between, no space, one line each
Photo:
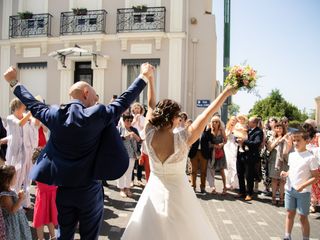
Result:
247,160
84,147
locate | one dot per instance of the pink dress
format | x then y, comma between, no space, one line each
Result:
45,209
315,192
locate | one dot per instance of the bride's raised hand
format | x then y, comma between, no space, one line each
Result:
232,90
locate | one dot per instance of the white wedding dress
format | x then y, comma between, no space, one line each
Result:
168,208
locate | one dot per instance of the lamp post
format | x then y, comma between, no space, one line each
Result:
226,55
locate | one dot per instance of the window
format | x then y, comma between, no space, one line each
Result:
30,23
130,71
83,72
81,21
92,21
40,23
150,18
137,18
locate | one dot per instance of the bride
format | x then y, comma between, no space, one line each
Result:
168,208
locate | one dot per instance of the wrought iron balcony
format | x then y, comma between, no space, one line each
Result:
140,20
34,25
91,21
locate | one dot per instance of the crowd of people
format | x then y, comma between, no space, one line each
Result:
245,151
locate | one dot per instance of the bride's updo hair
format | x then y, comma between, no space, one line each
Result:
164,113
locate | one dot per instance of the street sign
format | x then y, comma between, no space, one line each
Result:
203,103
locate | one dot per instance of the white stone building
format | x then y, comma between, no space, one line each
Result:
177,36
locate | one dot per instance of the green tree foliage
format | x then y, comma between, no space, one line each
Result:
233,109
275,105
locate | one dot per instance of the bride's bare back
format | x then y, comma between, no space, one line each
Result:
163,144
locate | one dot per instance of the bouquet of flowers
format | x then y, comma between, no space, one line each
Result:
241,77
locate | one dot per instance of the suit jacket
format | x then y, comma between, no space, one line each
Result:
3,134
255,138
205,148
84,143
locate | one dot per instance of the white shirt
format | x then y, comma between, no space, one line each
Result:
300,166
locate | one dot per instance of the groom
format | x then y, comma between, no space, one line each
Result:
84,147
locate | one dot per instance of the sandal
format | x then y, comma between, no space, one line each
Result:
214,191
224,191
281,202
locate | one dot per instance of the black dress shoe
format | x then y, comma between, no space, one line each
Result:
240,196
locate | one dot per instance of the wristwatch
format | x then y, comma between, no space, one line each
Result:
13,82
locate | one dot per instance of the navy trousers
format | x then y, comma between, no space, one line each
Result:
245,171
83,205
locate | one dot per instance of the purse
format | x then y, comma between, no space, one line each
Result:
36,154
218,153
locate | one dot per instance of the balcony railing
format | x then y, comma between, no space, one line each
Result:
92,21
36,25
149,19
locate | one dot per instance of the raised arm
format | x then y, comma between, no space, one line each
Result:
38,109
151,98
197,127
119,105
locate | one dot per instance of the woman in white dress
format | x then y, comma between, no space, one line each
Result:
168,208
230,150
22,139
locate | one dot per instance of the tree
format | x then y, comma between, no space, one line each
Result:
275,105
233,109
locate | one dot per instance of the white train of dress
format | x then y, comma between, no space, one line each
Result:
168,208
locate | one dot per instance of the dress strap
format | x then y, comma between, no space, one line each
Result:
8,194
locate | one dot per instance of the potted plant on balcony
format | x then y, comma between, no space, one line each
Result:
140,8
25,15
79,11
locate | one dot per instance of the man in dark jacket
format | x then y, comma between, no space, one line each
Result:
199,154
3,145
247,160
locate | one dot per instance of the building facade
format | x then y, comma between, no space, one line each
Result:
177,36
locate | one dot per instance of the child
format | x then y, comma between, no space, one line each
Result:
2,227
241,129
14,216
45,209
302,173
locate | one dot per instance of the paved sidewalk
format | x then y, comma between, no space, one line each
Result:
233,219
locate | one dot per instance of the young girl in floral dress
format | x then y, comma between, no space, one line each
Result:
11,204
2,227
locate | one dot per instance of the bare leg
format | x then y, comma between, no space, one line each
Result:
40,234
281,190
224,191
289,221
305,226
274,186
52,231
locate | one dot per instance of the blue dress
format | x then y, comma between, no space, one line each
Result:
17,226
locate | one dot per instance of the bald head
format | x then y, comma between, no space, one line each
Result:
84,92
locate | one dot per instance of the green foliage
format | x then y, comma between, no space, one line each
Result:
275,105
233,109
295,124
25,15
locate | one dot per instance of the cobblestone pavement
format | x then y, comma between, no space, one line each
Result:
233,219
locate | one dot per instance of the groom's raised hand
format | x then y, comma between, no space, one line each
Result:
147,70
10,74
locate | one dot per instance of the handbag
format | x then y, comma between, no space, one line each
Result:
36,154
218,153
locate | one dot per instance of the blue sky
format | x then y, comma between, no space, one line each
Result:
281,40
